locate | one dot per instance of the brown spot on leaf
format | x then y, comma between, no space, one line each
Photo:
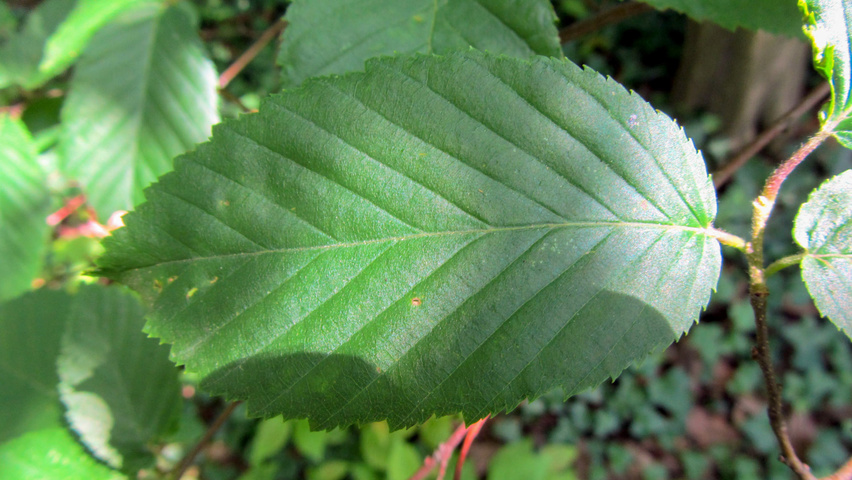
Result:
416,301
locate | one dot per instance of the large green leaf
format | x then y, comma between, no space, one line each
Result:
21,54
24,205
142,92
30,331
824,229
827,24
70,37
337,36
435,235
50,454
119,387
774,16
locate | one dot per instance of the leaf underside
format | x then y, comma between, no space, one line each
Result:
435,235
142,92
824,229
337,36
828,24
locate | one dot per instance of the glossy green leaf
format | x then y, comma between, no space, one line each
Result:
30,330
50,454
824,229
142,92
337,36
774,16
21,54
435,235
24,206
120,390
827,24
70,37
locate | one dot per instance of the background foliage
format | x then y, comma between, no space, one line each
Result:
693,411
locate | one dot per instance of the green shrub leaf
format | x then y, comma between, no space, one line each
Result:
30,331
337,36
435,235
120,390
142,92
69,39
827,24
50,453
824,229
24,206
21,54
774,16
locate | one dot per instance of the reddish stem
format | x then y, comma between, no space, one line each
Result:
70,207
845,472
773,184
251,53
472,432
208,435
609,16
725,173
441,456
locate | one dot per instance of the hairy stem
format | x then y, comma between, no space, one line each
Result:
728,239
187,461
759,294
723,175
783,263
607,17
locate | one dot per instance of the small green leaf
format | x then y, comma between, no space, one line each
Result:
119,387
50,454
827,24
22,53
337,36
824,229
30,330
403,461
518,461
774,16
435,235
270,437
72,35
142,92
24,206
310,444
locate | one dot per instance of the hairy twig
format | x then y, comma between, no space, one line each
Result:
208,435
607,17
759,293
724,174
249,55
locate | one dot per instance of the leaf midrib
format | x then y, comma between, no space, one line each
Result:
401,238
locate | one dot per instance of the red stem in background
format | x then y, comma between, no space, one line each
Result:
609,16
472,432
724,174
441,456
249,55
208,435
70,207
